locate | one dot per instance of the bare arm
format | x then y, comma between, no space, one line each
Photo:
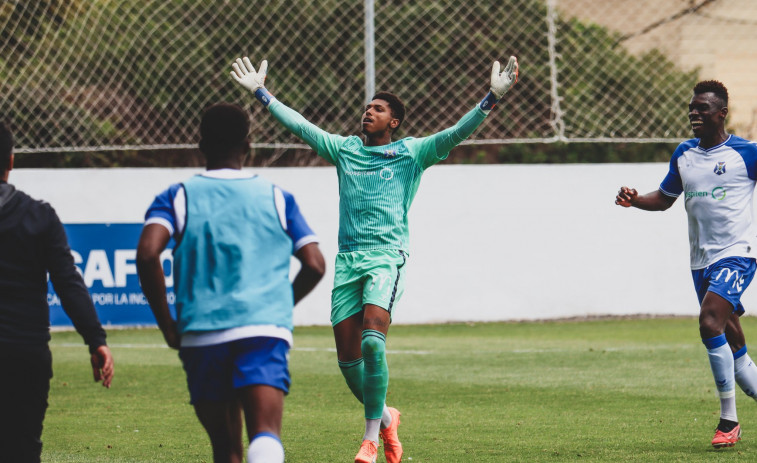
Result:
652,201
102,365
152,242
311,272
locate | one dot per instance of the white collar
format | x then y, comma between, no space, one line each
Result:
227,173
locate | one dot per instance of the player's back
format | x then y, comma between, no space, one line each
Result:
232,263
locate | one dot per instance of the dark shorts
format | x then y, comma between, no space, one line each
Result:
215,372
728,278
24,388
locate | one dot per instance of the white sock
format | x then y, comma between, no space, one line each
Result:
746,373
728,408
372,430
386,417
721,362
265,448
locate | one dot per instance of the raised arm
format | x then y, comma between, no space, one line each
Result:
652,201
441,143
500,83
324,143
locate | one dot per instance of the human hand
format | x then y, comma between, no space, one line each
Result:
102,365
170,330
626,196
244,73
501,82
172,337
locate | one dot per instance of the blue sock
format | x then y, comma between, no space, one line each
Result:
721,362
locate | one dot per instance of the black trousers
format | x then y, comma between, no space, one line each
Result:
25,373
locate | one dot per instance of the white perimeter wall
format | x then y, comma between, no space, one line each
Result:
488,243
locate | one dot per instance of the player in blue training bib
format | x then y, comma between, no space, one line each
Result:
715,173
235,236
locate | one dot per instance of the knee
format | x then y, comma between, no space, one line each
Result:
372,344
709,325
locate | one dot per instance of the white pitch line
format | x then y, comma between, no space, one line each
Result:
302,349
426,352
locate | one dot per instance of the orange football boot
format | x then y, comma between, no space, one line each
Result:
368,452
726,439
392,444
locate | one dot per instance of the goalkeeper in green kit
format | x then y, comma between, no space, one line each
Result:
378,179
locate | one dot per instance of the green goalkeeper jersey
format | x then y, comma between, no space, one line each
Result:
377,184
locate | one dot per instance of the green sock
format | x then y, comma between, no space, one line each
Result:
375,373
353,374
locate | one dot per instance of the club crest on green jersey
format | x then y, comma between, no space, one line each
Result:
720,168
390,153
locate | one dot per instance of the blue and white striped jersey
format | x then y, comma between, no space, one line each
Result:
718,185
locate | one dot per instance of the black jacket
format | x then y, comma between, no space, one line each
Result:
33,243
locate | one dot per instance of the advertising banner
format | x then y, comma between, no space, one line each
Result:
105,255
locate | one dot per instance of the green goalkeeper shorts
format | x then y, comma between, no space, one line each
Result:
366,277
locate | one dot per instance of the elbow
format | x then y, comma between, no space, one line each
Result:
312,261
146,258
665,204
314,266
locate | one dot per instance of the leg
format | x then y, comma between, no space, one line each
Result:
745,370
376,375
23,399
366,288
714,317
218,409
347,319
222,421
375,378
734,334
347,335
263,409
719,289
355,354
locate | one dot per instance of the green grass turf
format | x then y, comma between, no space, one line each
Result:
636,390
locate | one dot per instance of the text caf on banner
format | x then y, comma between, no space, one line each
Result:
105,255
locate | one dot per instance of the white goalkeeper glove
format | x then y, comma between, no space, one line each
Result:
501,82
244,73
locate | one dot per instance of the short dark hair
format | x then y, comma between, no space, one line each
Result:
395,104
6,146
712,86
224,130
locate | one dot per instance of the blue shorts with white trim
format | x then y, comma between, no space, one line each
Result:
214,372
728,278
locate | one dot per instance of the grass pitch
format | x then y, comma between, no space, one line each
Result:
635,390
